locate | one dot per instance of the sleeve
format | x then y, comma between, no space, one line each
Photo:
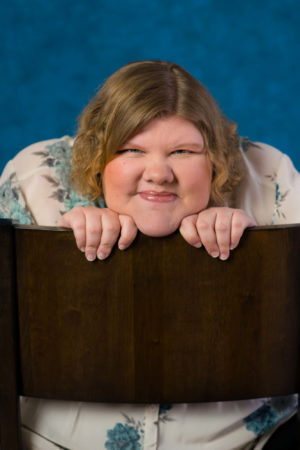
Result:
36,186
287,192
12,201
270,191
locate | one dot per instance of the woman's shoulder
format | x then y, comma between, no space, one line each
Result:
260,155
48,153
267,162
39,178
271,187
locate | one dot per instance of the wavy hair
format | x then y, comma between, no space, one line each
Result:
133,96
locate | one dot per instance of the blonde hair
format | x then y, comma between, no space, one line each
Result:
133,96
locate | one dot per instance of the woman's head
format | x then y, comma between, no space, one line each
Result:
160,176
132,98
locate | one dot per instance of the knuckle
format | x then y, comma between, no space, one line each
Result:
93,230
221,227
239,225
79,226
202,225
105,245
128,219
90,247
112,229
108,212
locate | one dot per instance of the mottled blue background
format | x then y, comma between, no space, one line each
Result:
55,53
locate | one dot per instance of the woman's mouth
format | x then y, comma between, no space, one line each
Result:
159,197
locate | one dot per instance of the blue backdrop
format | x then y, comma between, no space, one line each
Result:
54,55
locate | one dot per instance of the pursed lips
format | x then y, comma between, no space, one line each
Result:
159,197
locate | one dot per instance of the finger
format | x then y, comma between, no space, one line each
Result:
240,222
206,229
128,231
189,232
93,235
223,227
75,219
110,233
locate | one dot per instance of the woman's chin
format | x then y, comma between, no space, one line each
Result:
156,230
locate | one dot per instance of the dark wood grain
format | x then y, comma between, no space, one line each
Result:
9,410
161,321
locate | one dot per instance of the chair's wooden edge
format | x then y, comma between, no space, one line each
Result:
9,408
171,400
18,226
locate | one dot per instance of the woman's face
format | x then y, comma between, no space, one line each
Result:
160,176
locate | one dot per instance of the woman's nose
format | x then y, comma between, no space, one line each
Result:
158,172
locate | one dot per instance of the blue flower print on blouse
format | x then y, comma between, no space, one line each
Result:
164,408
58,157
245,144
12,203
270,414
123,436
279,198
261,420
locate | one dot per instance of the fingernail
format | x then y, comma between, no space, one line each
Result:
102,255
90,257
214,254
198,245
82,249
121,246
223,257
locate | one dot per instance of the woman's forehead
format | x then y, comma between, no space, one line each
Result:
171,129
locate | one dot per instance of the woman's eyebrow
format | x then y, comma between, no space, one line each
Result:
131,144
195,145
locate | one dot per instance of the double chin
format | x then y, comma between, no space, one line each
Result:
156,228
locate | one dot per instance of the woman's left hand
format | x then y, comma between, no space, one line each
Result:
218,229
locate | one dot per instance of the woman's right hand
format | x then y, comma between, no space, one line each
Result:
97,230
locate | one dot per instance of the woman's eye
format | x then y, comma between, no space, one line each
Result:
129,150
182,152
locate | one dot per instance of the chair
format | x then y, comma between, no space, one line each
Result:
176,324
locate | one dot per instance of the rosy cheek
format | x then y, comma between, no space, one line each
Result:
119,178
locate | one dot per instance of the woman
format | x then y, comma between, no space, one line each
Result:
153,153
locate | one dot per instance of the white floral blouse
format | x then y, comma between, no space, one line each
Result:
35,189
